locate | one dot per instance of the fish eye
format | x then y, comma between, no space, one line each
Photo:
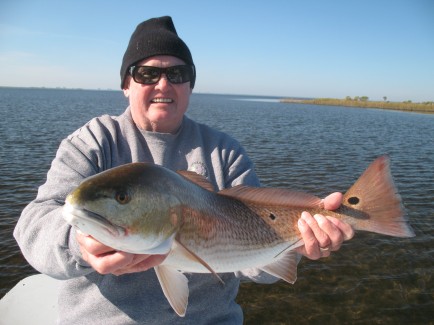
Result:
122,197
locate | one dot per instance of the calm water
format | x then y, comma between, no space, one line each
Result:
319,149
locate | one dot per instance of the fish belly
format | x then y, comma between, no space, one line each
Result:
224,261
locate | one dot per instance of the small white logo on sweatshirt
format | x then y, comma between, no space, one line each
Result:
199,168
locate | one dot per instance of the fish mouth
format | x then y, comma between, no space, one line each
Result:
85,219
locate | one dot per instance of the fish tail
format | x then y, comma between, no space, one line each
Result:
374,204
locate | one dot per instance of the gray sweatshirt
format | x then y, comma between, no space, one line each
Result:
49,244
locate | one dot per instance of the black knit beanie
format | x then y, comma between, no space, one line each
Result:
156,36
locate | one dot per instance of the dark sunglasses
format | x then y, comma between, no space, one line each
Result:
149,75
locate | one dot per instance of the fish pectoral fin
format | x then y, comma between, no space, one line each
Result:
284,268
181,249
175,287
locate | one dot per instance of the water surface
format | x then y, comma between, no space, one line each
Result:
319,149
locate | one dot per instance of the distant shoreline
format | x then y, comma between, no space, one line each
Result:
408,106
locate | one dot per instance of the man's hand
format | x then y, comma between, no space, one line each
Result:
106,260
323,234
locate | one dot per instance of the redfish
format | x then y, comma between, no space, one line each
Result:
144,208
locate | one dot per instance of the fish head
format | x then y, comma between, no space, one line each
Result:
127,208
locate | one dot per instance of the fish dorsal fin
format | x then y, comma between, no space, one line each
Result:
273,196
284,268
175,287
181,249
197,179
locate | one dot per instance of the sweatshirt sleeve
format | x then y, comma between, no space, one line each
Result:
47,242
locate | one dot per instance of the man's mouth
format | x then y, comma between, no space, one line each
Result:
162,100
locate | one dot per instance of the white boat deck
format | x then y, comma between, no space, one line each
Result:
32,301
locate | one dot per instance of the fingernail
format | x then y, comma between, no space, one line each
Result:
304,215
319,218
301,223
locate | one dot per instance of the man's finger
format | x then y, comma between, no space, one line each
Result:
333,201
345,228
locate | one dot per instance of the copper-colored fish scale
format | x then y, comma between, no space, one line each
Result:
281,219
239,228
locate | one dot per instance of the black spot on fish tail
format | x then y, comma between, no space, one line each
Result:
353,200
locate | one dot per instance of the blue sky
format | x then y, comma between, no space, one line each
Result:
310,48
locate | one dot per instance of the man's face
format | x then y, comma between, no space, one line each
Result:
159,107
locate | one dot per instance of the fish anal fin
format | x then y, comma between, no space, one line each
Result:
200,180
284,268
182,249
175,287
273,196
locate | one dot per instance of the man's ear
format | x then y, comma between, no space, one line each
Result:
126,88
126,92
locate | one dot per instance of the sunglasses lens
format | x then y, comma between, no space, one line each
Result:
178,74
150,75
146,75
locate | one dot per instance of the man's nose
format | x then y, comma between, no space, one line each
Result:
163,81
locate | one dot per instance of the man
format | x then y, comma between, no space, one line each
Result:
105,286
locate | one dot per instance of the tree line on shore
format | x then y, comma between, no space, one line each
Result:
363,101
366,98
